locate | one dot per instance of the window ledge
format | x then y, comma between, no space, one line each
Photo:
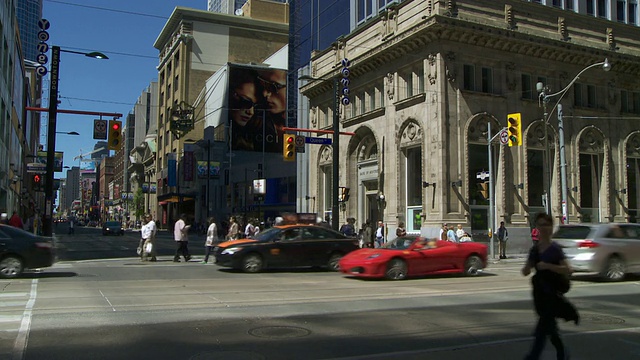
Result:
480,93
364,117
410,101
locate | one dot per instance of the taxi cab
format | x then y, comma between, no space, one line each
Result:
286,246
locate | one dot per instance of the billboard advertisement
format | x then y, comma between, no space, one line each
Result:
57,161
257,108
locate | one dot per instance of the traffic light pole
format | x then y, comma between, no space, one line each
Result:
491,193
47,223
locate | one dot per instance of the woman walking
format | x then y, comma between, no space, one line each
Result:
552,269
212,239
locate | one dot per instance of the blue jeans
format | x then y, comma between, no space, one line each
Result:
379,241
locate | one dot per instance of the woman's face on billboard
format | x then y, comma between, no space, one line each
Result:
244,103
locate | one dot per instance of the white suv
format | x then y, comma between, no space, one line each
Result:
612,250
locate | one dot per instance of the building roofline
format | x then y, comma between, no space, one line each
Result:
183,13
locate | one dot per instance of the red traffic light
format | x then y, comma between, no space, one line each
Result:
290,139
36,178
115,126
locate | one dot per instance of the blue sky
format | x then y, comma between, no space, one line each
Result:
125,31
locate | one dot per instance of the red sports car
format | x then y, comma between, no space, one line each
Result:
415,256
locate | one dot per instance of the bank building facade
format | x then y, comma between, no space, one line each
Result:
432,81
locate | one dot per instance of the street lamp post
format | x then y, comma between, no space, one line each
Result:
606,66
335,147
47,223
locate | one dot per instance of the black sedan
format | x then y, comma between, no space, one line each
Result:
20,250
112,227
285,247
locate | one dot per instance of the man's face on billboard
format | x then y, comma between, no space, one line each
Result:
274,90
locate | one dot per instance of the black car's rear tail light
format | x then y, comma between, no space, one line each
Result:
587,244
44,245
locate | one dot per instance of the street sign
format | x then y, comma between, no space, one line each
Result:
36,168
504,137
100,129
482,175
317,140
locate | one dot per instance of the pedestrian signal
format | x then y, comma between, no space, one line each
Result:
483,189
288,148
514,125
37,179
115,135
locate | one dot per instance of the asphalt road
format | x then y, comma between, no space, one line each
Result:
126,309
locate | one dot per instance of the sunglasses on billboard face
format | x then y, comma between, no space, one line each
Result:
270,86
244,103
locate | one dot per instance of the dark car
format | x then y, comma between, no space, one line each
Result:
20,250
285,247
112,227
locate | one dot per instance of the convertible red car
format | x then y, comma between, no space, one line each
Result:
415,256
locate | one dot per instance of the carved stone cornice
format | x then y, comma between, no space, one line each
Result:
437,29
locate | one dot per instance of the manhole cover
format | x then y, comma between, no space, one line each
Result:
601,319
227,355
279,332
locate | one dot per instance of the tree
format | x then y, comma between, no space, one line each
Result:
138,203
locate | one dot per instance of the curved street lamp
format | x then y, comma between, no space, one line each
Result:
606,66
68,133
47,223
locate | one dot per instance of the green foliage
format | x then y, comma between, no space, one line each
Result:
138,202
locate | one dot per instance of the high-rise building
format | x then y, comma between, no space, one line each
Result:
29,12
72,188
623,11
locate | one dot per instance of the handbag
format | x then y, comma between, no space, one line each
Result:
148,248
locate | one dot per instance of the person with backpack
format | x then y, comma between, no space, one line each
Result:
349,228
549,284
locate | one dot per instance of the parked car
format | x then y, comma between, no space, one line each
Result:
285,247
612,250
112,227
20,250
415,256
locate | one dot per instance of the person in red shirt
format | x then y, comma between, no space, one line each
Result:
16,221
535,235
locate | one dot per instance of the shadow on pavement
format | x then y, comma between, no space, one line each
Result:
45,274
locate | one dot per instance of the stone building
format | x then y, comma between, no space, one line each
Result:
428,79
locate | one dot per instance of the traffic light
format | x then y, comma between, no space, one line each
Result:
37,179
483,189
514,124
288,148
115,135
344,194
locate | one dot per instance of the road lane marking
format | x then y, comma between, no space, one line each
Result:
20,345
13,295
110,304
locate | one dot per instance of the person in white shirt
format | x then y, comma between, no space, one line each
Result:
249,230
148,233
212,239
380,234
180,230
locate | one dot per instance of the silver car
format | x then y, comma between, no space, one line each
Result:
612,250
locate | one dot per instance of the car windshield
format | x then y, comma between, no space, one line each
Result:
269,234
399,243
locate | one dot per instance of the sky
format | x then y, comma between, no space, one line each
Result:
125,31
